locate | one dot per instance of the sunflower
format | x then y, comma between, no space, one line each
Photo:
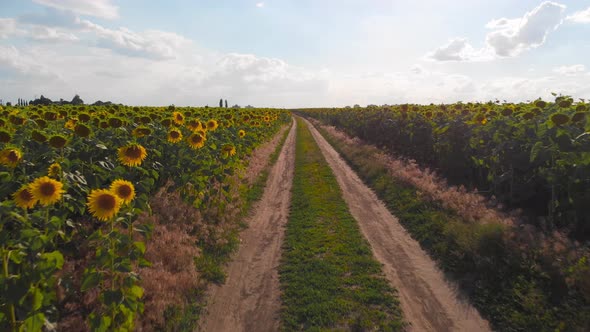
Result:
559,119
54,170
114,122
47,190
241,133
141,132
70,124
174,136
178,118
10,157
212,125
5,136
124,190
58,141
132,155
196,141
38,136
23,198
194,125
82,130
228,150
103,204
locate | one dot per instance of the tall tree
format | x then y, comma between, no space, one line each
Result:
221,102
226,103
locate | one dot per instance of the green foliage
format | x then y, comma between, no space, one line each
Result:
534,156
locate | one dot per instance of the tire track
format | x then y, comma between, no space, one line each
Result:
250,298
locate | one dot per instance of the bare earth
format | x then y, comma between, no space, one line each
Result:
250,298
428,301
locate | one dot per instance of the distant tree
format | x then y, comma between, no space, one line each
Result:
41,101
226,103
236,106
77,100
221,102
8,104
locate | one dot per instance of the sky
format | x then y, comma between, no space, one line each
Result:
298,53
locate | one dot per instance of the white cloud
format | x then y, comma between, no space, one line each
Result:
7,27
582,16
459,49
260,4
570,70
51,34
10,27
96,8
509,38
14,63
530,31
151,43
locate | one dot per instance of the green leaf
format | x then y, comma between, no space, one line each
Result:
37,298
90,280
112,297
140,246
137,291
535,151
34,323
55,258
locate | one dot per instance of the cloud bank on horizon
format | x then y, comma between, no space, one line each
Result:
334,54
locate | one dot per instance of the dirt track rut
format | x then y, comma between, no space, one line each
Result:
250,298
428,301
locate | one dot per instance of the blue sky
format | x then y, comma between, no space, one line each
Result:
294,53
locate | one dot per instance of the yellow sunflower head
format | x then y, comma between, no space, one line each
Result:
141,132
178,118
132,155
174,136
70,124
212,125
124,190
23,198
54,170
241,133
47,190
228,150
196,141
10,157
194,125
103,204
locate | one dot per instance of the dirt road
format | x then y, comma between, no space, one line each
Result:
428,301
250,298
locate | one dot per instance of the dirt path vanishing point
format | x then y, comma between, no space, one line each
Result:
250,298
428,301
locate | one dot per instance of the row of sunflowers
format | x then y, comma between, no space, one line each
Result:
84,173
534,156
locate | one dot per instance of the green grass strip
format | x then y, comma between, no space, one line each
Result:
329,278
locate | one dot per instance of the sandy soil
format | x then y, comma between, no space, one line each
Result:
429,302
250,298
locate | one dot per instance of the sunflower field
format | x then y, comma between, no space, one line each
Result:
73,174
532,156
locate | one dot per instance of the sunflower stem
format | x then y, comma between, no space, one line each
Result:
5,258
